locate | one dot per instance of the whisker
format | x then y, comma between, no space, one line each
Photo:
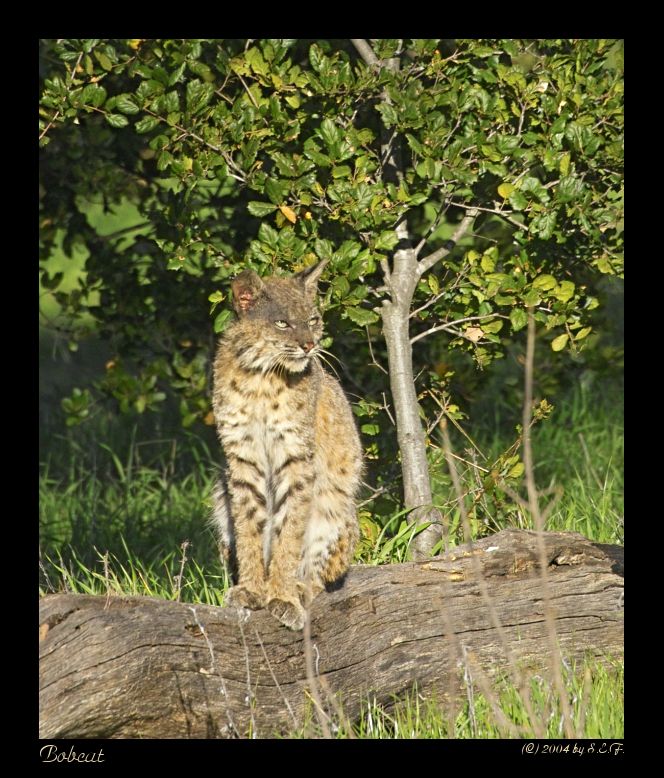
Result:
330,354
329,364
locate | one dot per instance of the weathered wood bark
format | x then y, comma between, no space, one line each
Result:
145,668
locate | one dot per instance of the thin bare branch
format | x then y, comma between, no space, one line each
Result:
431,301
538,518
428,262
248,91
432,227
496,211
517,677
312,674
274,678
387,410
373,357
451,326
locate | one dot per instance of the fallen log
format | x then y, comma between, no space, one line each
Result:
138,667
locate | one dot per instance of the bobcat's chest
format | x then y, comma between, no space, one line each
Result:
263,419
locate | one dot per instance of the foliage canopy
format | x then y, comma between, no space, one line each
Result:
277,153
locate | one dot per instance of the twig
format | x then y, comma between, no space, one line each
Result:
533,501
213,671
57,113
387,410
432,227
498,212
458,426
178,577
274,678
449,326
484,591
248,91
321,715
424,264
373,358
250,694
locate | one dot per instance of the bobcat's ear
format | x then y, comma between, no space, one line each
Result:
247,289
309,277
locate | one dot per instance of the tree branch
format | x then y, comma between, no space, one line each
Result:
365,51
424,264
489,210
57,113
449,326
432,227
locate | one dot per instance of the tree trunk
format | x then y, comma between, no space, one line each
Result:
137,667
410,433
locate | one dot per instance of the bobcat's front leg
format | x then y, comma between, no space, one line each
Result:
250,516
292,504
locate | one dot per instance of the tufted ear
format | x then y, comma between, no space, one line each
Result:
309,277
247,289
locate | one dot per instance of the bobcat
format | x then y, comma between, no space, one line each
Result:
284,511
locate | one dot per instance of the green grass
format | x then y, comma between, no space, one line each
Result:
141,506
595,692
579,455
113,523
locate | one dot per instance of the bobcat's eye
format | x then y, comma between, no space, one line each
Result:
314,320
283,325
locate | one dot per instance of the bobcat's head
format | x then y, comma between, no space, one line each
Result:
279,325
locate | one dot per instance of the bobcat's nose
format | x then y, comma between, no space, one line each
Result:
306,346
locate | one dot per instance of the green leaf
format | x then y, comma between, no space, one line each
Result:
125,104
505,190
565,291
506,144
361,316
198,95
544,282
386,240
330,133
276,190
488,263
493,326
569,188
103,60
117,120
316,57
93,94
222,320
255,59
146,124
532,298
583,333
543,225
341,171
268,235
518,201
258,209
370,429
516,471
559,343
518,318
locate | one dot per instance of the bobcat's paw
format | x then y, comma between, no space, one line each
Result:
288,612
242,597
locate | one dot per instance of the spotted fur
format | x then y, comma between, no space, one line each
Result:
284,510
